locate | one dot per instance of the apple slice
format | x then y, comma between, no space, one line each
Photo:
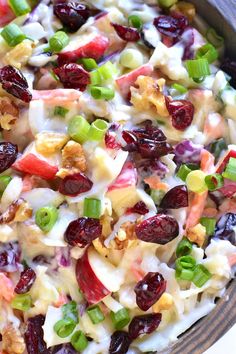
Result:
97,277
88,46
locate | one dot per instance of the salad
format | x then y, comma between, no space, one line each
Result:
117,174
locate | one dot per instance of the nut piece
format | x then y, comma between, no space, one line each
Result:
9,112
20,54
23,213
100,248
125,237
149,95
186,9
164,303
73,159
47,143
197,234
12,340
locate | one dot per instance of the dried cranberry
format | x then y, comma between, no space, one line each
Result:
75,184
128,34
181,112
82,232
229,67
73,76
171,26
8,155
150,149
9,257
34,336
225,228
159,229
149,290
144,324
120,342
72,14
15,83
175,198
110,141
139,208
27,279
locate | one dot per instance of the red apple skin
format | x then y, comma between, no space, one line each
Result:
93,290
128,177
93,49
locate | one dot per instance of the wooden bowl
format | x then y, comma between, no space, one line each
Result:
221,15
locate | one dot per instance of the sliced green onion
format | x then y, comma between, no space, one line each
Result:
19,7
64,327
201,275
195,181
167,3
60,111
193,166
184,247
230,171
214,38
102,93
46,217
135,21
69,310
120,318
4,181
79,341
179,88
58,41
198,68
89,63
97,130
217,147
78,129
131,58
157,195
207,51
12,34
95,314
183,172
92,208
22,302
107,70
95,78
209,224
214,181
184,268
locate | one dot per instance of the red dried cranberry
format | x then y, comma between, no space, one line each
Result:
15,83
139,208
8,155
171,26
110,141
75,184
34,336
120,342
27,279
73,76
149,290
225,228
175,198
144,324
128,34
159,229
150,149
82,232
72,14
181,112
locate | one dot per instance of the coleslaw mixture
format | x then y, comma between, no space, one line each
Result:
118,174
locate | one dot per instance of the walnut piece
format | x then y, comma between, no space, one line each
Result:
197,234
47,143
149,95
12,340
125,237
73,159
9,112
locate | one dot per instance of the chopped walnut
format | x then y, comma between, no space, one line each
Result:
149,95
73,159
12,340
20,54
197,234
9,112
164,303
23,213
125,237
47,143
186,9
100,248
19,210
